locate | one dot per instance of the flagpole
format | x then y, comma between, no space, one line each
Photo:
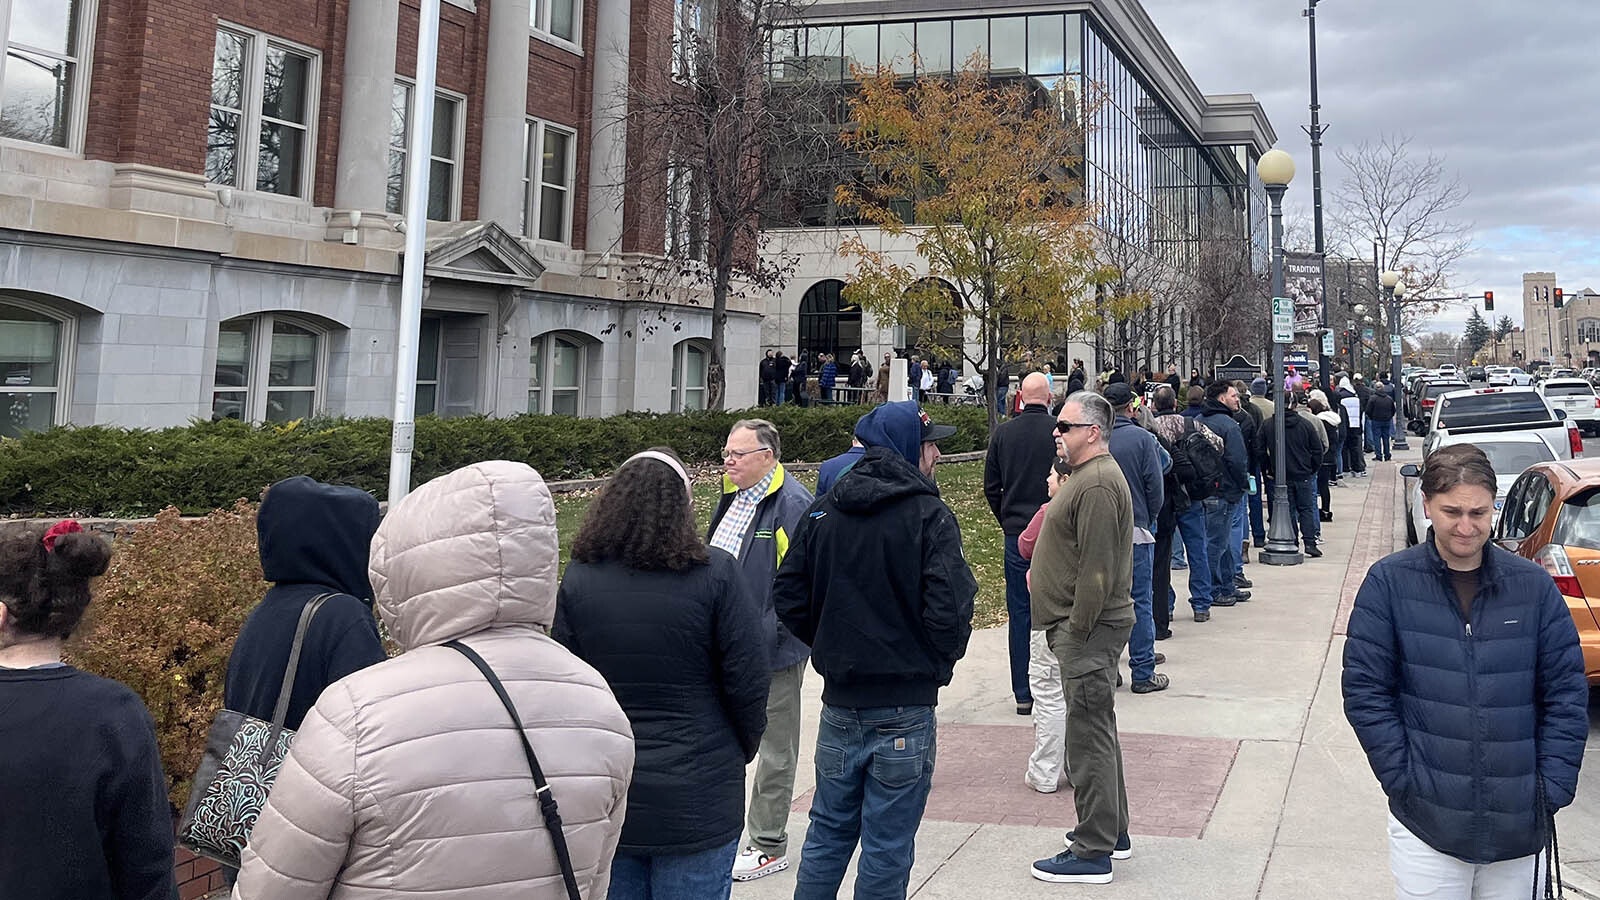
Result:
416,222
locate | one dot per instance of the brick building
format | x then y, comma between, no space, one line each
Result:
199,199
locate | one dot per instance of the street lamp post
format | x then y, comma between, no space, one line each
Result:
1358,311
1315,133
1397,291
1276,169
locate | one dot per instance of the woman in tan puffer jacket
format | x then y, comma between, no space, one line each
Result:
407,778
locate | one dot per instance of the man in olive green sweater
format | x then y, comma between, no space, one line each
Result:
1082,582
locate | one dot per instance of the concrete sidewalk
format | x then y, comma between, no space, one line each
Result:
1244,779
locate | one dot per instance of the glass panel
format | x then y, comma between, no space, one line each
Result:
286,406
395,192
694,398
441,188
1046,55
294,357
933,46
533,401
279,159
553,167
564,403
898,49
427,399
34,105
399,133
566,362
562,15
222,148
27,412
788,54
694,369
227,70
824,47
283,94
970,36
428,349
49,25
29,344
535,369
1008,43
1074,47
552,214
233,355
860,47
228,405
444,128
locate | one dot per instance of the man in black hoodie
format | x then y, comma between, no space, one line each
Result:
314,540
876,583
1302,458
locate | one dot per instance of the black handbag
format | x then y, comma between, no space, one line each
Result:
541,788
240,763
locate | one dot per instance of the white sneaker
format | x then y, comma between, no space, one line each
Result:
751,864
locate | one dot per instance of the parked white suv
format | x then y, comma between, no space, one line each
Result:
1576,397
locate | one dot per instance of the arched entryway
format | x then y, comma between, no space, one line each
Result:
828,324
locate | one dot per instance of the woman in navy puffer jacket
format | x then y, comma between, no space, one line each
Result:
1464,682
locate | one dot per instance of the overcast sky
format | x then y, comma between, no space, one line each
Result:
1507,93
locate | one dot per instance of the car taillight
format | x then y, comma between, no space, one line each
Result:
1554,559
1426,404
1597,403
1575,441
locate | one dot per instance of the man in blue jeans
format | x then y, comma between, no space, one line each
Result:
1139,455
1222,401
1014,472
876,583
1175,427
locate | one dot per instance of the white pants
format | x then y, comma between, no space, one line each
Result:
1049,715
1423,872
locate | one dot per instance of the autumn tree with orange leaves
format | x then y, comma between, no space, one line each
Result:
985,176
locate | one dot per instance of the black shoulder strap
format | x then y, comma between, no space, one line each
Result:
541,788
281,710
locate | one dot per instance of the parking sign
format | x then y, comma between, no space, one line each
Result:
1282,320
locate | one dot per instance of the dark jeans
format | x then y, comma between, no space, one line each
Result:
1192,529
1161,580
707,875
1382,433
826,392
1303,494
1258,525
1354,459
874,770
1094,754
1324,486
1020,616
1142,641
1221,549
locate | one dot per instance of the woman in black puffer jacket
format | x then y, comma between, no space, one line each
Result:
669,624
1330,459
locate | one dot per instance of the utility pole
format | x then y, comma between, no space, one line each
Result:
1316,131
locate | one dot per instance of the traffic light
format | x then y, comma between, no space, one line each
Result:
1488,301
1559,298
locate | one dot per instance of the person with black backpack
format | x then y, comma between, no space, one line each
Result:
1200,477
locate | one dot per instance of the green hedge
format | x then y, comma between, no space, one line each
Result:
105,471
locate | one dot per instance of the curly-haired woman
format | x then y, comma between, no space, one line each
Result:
83,800
670,625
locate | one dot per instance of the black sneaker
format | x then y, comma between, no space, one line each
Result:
1157,682
1123,849
1203,616
1064,868
1238,597
1312,551
1164,634
1226,600
1241,581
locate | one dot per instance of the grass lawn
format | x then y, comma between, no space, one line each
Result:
961,484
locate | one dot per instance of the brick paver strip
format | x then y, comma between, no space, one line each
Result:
1375,534
1173,782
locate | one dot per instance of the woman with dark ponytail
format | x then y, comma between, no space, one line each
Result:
83,800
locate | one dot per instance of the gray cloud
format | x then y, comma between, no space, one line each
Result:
1505,93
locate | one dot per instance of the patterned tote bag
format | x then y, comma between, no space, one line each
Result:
240,763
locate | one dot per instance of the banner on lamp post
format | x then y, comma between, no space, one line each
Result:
1302,279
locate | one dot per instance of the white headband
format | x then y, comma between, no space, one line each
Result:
676,466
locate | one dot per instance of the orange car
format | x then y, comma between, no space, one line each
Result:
1552,516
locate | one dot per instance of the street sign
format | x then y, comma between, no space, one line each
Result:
1394,345
1282,320
1366,335
1327,343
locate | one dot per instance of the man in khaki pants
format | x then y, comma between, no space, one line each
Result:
761,505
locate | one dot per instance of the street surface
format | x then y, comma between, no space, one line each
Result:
1244,780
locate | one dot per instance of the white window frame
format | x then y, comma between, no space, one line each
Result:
250,117
532,186
66,357
82,77
256,389
539,24
680,366
458,141
541,381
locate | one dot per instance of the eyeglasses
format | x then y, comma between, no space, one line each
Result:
741,454
1064,427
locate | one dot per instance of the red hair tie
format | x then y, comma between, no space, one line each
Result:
65,526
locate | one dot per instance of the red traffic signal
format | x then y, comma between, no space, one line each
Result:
1488,301
1559,298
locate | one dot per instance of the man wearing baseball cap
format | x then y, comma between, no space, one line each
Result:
876,583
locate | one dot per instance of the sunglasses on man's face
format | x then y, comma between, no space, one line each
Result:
1064,427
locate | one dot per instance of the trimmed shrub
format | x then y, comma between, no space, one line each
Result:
163,621
126,473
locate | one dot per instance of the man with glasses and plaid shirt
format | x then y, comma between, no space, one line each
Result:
760,507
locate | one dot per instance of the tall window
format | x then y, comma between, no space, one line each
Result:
687,214
686,36
547,182
31,350
263,100
428,354
689,360
556,18
557,365
269,369
42,82
444,154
